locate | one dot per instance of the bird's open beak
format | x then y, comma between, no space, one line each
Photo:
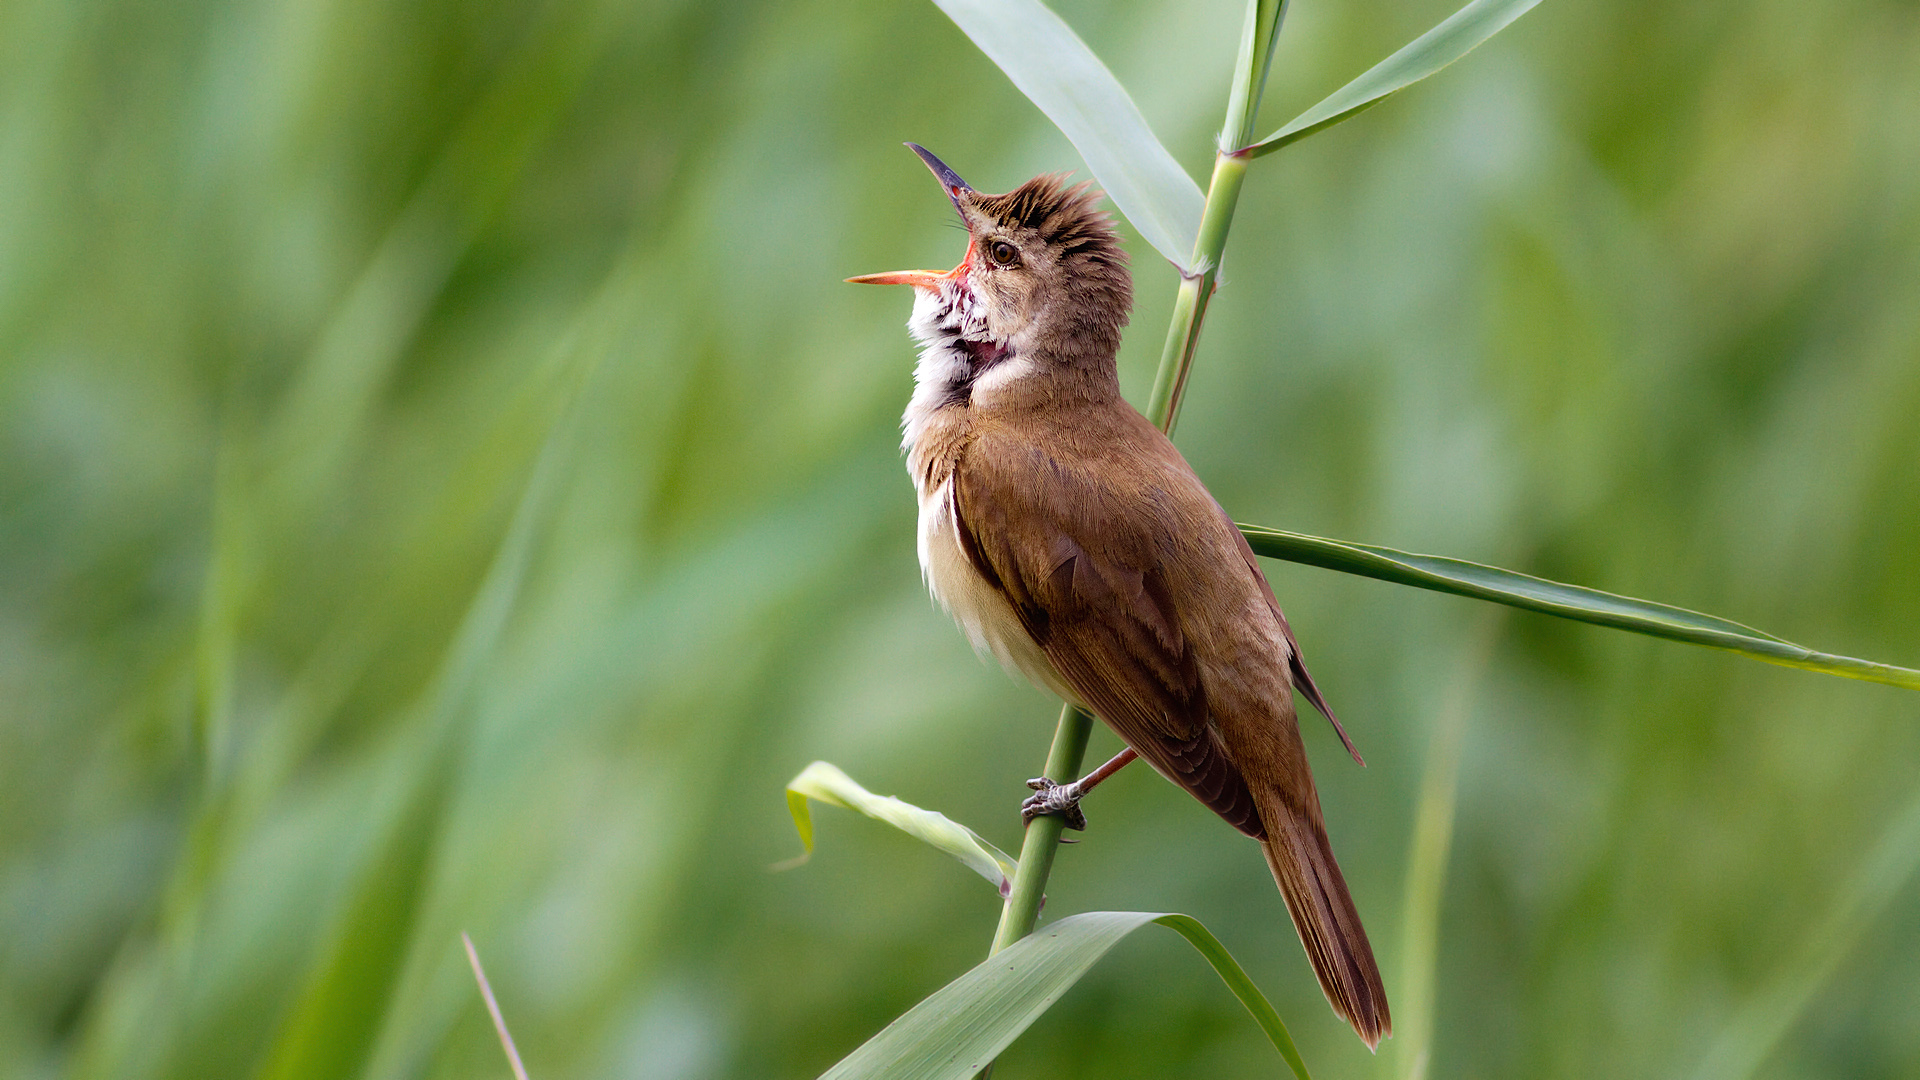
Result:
951,183
919,279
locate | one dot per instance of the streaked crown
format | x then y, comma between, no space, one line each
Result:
1049,267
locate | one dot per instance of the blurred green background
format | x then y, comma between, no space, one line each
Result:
445,486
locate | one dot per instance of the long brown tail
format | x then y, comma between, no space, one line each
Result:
1323,913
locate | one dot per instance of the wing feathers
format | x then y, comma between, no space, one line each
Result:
1302,679
1110,632
1089,563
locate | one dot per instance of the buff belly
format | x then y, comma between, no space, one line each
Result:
982,612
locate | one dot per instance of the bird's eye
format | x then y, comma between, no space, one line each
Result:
1002,253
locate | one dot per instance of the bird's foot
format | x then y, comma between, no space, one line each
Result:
1054,798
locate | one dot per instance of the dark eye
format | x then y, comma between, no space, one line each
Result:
1002,253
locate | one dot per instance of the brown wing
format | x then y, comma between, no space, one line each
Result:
1091,557
1087,580
1302,679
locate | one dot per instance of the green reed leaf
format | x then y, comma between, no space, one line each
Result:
1425,55
826,783
1257,37
1055,69
961,1028
1566,601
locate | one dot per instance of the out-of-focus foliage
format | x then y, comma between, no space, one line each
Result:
445,486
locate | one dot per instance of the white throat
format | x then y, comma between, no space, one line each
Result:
961,364
960,360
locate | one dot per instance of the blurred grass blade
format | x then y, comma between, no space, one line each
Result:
1430,849
825,782
965,1024
493,1009
1054,68
1567,601
1427,54
332,1026
1757,1027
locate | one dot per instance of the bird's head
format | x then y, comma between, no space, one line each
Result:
1044,273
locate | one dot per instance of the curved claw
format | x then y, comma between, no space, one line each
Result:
1054,798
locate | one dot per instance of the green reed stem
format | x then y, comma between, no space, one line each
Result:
1196,290
1022,908
1042,840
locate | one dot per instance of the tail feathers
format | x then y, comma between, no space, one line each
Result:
1302,863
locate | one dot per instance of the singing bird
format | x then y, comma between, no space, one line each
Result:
1069,538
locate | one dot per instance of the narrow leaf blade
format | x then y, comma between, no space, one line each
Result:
1566,601
493,1009
1049,63
825,783
1236,978
1425,55
965,1024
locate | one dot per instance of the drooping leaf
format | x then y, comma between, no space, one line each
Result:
1056,70
1567,601
825,782
965,1024
1425,55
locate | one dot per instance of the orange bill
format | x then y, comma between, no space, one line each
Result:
924,279
919,279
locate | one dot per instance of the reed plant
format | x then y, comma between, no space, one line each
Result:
445,486
958,1031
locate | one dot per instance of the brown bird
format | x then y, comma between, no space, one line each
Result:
1070,539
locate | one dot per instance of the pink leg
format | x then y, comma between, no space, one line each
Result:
1064,799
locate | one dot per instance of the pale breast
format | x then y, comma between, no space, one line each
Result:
981,610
